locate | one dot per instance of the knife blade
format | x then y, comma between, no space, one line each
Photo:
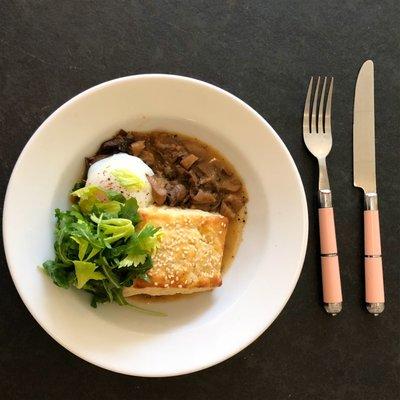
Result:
364,130
365,178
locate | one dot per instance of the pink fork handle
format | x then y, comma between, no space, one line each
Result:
331,286
374,291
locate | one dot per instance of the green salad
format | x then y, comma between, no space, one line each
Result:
98,246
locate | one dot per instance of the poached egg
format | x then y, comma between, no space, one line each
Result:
125,174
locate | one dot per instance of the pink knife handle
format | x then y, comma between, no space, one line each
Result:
332,290
374,291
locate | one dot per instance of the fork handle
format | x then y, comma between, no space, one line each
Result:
374,288
331,285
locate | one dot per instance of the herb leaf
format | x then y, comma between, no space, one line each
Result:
130,211
61,274
127,179
85,271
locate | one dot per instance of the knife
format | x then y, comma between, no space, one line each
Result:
365,178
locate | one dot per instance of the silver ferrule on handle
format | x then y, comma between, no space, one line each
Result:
325,198
323,182
324,192
371,201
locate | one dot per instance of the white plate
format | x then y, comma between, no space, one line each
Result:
200,330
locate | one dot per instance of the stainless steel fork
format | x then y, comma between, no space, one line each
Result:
317,134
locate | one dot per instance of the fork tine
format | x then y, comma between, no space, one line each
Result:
328,112
314,109
306,115
320,127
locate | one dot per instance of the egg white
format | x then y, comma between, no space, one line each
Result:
101,174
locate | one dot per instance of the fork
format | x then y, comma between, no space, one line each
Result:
317,136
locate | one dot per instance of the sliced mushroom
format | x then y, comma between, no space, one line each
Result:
217,165
148,157
226,211
118,143
138,147
164,142
193,177
203,197
158,189
206,168
176,193
169,148
169,171
188,161
235,201
206,180
230,185
197,149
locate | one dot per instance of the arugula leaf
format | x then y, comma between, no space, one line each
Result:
127,179
112,278
108,290
118,297
86,230
130,211
61,274
85,271
98,292
62,245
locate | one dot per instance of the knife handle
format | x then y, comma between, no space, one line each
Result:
331,286
374,288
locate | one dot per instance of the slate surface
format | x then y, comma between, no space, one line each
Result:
263,52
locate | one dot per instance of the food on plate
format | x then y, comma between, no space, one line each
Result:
99,246
189,256
187,173
156,214
125,174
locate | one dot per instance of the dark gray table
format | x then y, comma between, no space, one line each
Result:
264,52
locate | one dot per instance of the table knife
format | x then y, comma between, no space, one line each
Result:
365,178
